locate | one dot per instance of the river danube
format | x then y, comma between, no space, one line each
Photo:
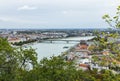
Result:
47,49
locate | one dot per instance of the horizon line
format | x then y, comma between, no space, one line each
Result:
55,28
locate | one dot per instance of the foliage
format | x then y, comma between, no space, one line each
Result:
114,21
56,69
24,42
12,60
106,42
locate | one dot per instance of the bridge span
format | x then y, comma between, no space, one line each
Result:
67,41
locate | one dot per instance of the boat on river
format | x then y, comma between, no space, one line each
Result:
65,47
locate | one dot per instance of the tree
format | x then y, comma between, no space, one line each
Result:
57,69
104,42
12,60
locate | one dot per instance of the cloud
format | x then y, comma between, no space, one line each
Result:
65,12
53,13
27,7
4,19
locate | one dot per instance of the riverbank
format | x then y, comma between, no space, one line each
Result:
80,55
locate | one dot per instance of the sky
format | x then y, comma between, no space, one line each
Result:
58,14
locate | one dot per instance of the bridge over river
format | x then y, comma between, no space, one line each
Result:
65,40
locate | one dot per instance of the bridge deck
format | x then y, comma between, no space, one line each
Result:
62,40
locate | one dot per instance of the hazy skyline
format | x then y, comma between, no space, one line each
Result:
55,13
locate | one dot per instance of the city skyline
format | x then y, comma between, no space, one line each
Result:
57,14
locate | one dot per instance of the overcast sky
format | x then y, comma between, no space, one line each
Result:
55,13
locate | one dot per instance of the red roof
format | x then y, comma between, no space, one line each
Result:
84,65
